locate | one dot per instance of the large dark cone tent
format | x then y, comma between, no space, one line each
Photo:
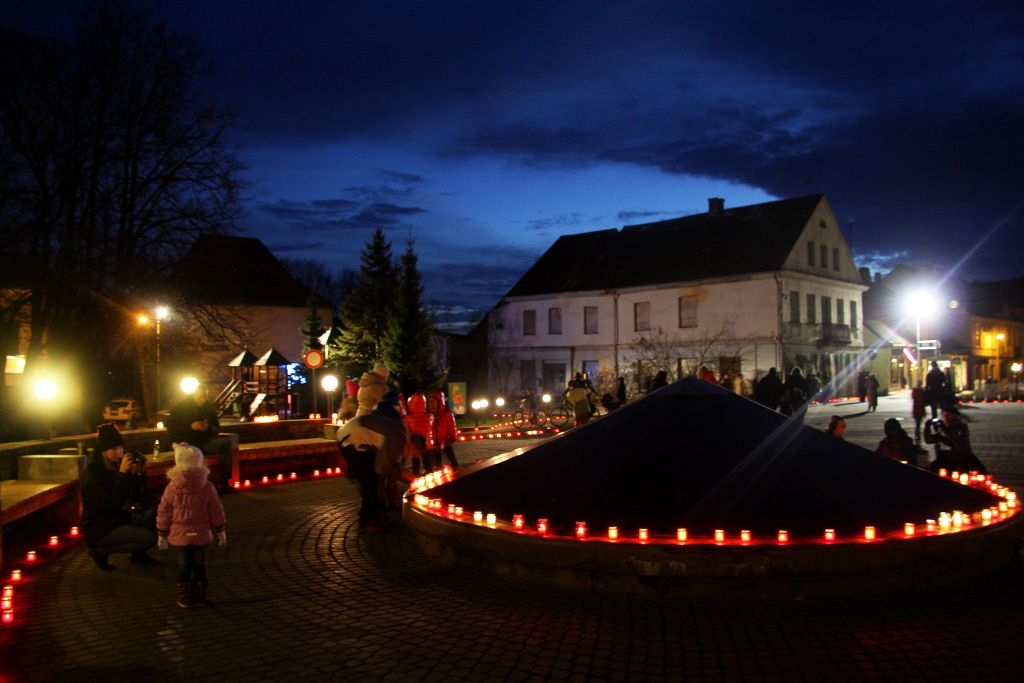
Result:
697,456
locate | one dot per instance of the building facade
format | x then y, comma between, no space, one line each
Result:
734,290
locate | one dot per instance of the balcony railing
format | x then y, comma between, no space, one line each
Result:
822,334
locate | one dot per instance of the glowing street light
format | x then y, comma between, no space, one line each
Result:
46,390
160,314
479,405
1016,367
920,303
189,385
330,385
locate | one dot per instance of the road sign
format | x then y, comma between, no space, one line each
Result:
314,358
930,345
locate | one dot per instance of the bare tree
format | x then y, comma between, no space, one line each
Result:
111,167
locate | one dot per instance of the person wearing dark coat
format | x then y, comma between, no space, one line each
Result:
897,444
952,442
795,392
109,524
769,390
194,421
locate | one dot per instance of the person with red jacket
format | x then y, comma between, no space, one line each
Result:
445,431
420,424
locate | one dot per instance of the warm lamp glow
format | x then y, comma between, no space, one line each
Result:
15,575
830,534
681,535
581,529
908,529
783,536
719,535
643,534
30,556
74,532
517,521
54,541
745,536
613,532
542,526
869,533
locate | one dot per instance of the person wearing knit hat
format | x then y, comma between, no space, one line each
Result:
108,524
372,387
189,517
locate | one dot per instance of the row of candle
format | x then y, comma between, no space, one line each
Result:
946,522
16,575
477,436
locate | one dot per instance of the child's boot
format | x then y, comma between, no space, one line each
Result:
199,593
184,595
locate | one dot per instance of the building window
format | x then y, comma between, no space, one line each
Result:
641,316
824,256
794,307
687,311
835,259
810,309
810,253
826,310
529,322
554,321
840,312
590,320
853,315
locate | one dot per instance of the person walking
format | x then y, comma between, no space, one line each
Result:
872,393
918,402
188,519
420,425
935,388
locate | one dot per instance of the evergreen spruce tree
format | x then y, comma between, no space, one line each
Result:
368,309
313,327
408,345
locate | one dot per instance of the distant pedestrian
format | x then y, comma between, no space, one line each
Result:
420,425
918,402
189,517
935,388
769,390
872,393
579,398
445,431
620,391
794,393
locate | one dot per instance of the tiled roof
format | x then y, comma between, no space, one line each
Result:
222,269
747,239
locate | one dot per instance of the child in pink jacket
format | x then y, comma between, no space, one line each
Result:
190,515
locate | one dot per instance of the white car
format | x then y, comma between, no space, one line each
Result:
121,409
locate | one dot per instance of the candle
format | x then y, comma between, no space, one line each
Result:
492,519
8,591
908,529
458,510
830,534
745,535
15,575
783,536
74,532
681,535
581,529
478,516
517,521
542,526
930,524
643,534
54,541
248,483
280,477
942,471
8,617
293,475
869,533
6,603
31,556
316,473
613,532
719,535
266,479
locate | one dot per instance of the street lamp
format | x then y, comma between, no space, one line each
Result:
479,405
330,385
1016,368
160,314
920,303
45,390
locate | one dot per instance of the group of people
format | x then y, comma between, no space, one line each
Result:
389,440
788,396
119,516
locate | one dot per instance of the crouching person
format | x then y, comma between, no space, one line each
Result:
189,517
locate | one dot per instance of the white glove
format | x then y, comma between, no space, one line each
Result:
222,537
161,543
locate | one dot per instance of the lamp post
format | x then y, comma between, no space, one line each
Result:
161,314
921,302
330,385
1016,368
45,390
479,405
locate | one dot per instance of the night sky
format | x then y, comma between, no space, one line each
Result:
484,130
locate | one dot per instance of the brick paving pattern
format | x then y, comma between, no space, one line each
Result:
299,594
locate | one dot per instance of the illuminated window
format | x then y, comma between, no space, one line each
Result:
641,316
794,307
810,309
529,322
590,320
687,311
810,253
554,321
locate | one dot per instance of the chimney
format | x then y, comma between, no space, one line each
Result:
716,205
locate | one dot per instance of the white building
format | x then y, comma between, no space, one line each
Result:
736,290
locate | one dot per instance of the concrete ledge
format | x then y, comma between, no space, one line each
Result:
62,467
728,572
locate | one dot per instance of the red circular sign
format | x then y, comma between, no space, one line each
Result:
314,358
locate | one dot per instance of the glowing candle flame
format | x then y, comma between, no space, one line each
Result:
613,532
869,533
745,535
719,535
15,575
8,617
681,535
74,532
478,516
54,541
581,529
908,529
783,536
830,534
517,521
542,526
31,556
643,534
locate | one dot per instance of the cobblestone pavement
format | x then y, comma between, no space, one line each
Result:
299,594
